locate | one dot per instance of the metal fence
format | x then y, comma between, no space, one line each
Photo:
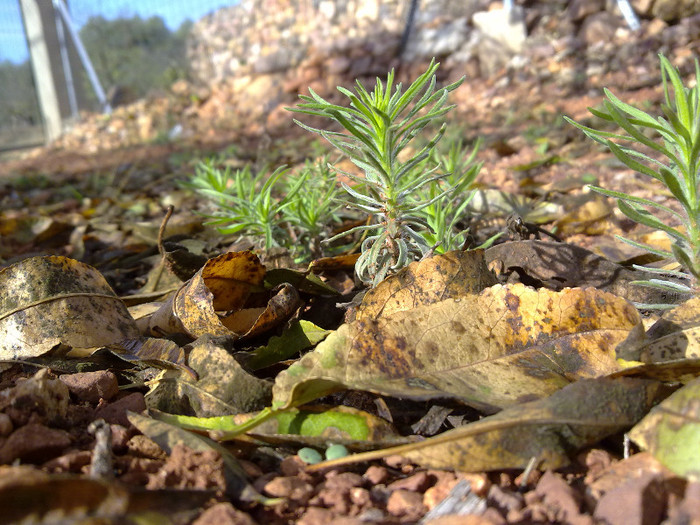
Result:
23,115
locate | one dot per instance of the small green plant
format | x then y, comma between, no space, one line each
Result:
381,124
273,206
458,173
245,202
312,211
679,130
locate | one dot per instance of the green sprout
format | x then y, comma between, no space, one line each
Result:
312,211
246,202
379,125
679,130
458,173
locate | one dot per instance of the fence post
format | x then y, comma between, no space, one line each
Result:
36,15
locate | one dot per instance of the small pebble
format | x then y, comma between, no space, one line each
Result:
336,452
376,475
310,456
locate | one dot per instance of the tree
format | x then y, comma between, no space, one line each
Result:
136,54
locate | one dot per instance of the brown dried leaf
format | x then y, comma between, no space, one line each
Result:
451,275
508,345
223,284
548,430
61,498
253,321
47,301
558,265
676,336
221,387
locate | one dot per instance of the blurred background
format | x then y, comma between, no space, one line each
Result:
134,46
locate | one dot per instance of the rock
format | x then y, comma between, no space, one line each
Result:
406,504
556,493
376,475
289,487
42,394
92,386
580,9
338,64
278,60
638,501
342,482
437,41
316,516
506,28
190,469
418,482
688,511
34,443
6,425
642,7
671,10
116,412
223,513
599,28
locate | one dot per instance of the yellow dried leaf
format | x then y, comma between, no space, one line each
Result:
507,345
676,336
224,283
451,275
547,430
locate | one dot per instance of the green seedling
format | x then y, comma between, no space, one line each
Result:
313,211
379,125
458,173
246,202
679,130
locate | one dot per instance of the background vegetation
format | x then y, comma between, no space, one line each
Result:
134,55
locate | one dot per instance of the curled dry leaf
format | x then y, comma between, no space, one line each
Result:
507,345
49,301
223,284
31,496
674,337
253,321
548,429
671,431
450,275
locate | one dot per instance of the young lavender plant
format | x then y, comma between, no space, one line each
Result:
380,124
679,130
245,202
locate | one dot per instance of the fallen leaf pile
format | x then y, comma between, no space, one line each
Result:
551,372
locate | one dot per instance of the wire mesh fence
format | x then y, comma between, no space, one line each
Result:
135,46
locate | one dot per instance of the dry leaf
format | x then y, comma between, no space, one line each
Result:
588,214
48,301
223,284
253,321
508,345
671,431
451,275
674,337
558,265
548,430
31,496
221,387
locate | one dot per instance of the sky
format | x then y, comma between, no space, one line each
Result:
13,46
